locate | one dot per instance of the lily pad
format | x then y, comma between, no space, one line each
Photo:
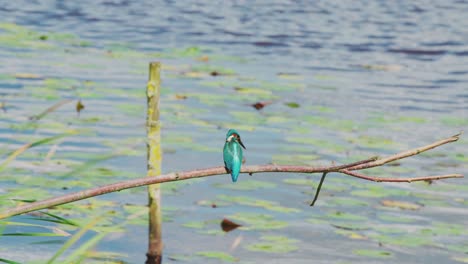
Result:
247,185
255,221
268,205
346,216
372,253
294,159
217,255
292,105
274,244
401,204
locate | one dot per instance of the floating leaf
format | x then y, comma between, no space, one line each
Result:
350,234
348,201
29,76
274,244
301,182
256,221
286,75
306,159
372,253
455,121
292,105
346,216
395,218
79,106
228,225
247,185
196,225
250,90
217,255
261,105
269,205
180,257
212,69
323,144
405,240
400,204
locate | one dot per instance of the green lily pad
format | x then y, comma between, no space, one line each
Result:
305,159
373,142
274,244
320,143
335,124
301,182
372,253
454,121
404,240
394,218
268,205
252,91
247,185
348,202
346,216
379,191
254,221
194,224
247,117
217,255
292,105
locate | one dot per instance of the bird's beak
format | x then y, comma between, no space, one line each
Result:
240,142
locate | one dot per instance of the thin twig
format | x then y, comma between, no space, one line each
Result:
319,187
380,179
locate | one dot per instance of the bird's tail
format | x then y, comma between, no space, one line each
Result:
235,174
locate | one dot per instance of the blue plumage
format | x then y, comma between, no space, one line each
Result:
232,153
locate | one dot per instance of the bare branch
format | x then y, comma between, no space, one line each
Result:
347,169
380,179
406,154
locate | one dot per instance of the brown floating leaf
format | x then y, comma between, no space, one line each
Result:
260,105
79,106
203,58
181,96
401,205
30,76
227,225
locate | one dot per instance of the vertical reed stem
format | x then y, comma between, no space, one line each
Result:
154,164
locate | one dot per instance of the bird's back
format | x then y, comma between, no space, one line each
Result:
233,158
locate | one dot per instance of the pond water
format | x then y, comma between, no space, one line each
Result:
346,81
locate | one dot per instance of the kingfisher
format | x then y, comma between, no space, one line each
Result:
232,153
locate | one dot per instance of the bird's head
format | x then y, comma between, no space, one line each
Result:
232,135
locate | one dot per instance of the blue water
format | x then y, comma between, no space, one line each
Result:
364,60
